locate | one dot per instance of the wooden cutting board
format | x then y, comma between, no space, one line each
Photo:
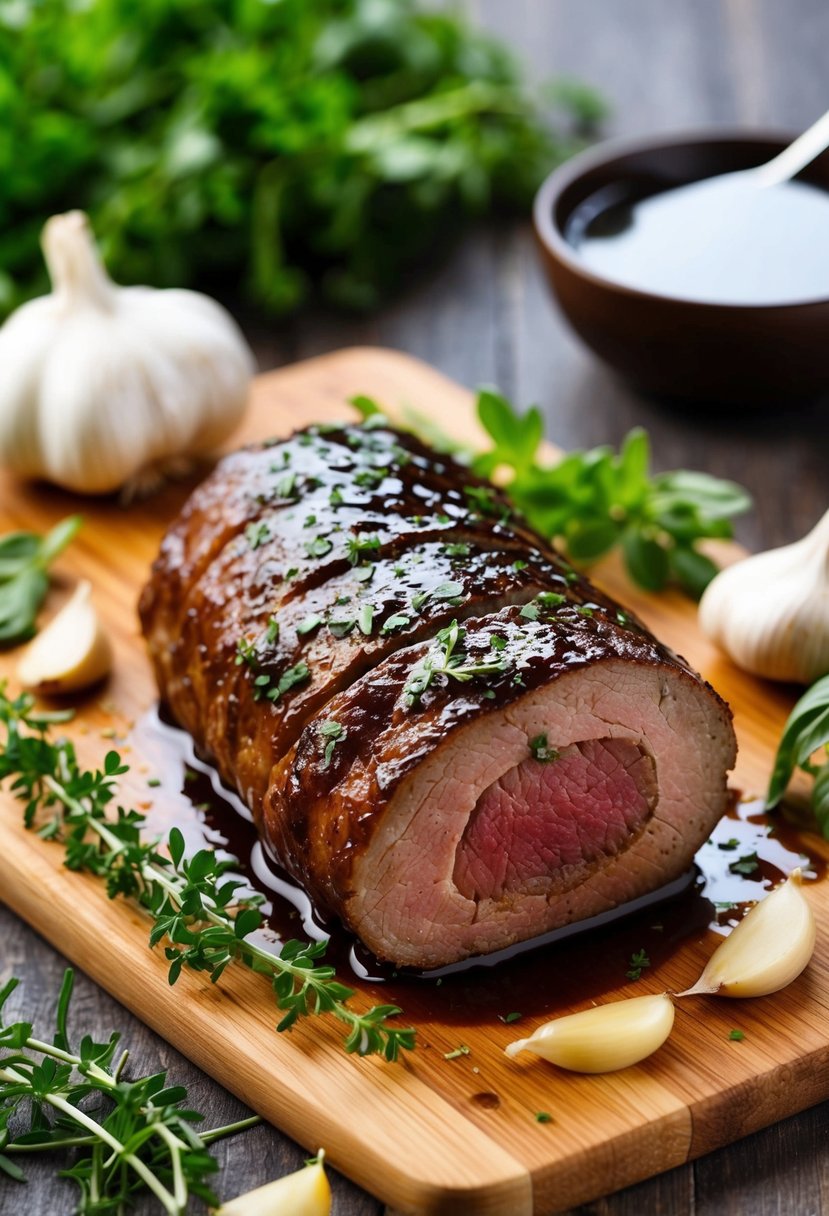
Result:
427,1134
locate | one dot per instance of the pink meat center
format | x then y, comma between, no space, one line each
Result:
544,821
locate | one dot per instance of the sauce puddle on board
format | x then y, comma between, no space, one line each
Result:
747,854
722,240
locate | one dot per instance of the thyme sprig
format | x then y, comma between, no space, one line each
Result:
136,1137
447,657
196,909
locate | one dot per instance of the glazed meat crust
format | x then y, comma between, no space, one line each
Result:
331,613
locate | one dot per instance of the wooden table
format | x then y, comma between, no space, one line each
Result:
485,316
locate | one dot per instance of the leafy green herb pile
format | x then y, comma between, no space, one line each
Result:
24,560
201,915
268,146
805,734
126,1138
591,501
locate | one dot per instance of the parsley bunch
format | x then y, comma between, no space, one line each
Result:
594,500
196,910
126,1138
806,734
271,148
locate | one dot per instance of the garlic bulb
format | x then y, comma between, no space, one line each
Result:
304,1193
71,653
605,1038
770,612
766,951
105,385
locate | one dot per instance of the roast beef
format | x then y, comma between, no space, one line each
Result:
449,737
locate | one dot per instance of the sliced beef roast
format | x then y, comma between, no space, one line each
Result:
448,736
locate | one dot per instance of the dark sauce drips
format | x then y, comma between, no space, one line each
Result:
747,854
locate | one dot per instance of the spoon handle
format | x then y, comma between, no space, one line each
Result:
797,156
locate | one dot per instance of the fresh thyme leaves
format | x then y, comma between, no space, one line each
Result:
362,546
805,738
638,962
24,560
447,657
596,499
463,1050
456,549
746,864
309,623
257,534
542,1116
271,631
138,1139
245,652
333,733
736,1036
541,750
272,688
319,546
202,915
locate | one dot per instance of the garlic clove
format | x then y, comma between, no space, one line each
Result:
768,949
770,612
71,653
303,1193
605,1038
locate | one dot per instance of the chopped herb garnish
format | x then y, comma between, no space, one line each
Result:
319,546
447,591
457,549
257,534
509,1018
364,574
519,565
286,486
245,652
366,619
541,750
272,631
312,621
550,599
153,782
360,546
335,498
447,658
736,1036
638,962
463,1050
622,619
396,621
747,864
584,610
530,612
309,521
728,846
497,642
369,479
342,628
333,733
292,573
419,600
543,1117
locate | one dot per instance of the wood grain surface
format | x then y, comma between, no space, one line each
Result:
485,316
412,1133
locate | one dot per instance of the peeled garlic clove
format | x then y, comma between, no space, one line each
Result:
770,612
71,653
304,1193
768,949
605,1038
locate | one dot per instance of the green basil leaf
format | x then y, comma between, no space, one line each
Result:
692,569
56,541
20,599
647,561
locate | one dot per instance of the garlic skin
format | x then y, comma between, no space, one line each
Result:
766,951
605,1038
102,384
71,653
303,1193
770,612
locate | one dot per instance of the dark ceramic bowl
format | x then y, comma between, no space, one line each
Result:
669,346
